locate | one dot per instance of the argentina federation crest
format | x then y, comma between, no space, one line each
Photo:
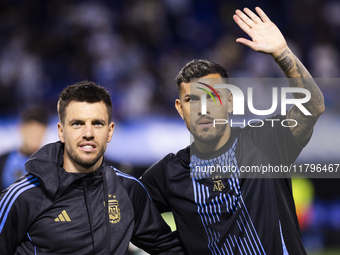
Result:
113,209
218,184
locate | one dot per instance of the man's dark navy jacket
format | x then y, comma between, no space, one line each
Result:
51,211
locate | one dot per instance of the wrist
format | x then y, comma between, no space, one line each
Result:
279,52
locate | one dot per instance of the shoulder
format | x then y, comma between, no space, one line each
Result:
126,178
23,187
132,185
182,157
23,195
165,166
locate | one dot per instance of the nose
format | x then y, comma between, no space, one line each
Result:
88,131
200,113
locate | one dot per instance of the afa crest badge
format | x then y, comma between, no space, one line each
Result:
218,184
113,209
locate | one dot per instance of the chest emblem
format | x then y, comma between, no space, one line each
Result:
218,185
63,217
113,209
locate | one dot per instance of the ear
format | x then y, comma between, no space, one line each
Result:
61,132
178,105
230,102
110,133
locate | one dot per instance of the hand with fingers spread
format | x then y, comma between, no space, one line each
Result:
265,35
267,38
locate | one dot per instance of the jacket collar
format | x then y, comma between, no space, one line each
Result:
46,164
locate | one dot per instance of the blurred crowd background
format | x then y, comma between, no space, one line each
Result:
135,49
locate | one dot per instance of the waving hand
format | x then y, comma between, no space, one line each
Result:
267,38
265,35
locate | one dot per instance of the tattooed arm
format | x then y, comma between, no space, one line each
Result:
267,38
299,77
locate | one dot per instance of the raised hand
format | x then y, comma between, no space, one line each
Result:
265,35
267,38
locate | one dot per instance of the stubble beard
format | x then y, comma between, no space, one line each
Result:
85,163
206,136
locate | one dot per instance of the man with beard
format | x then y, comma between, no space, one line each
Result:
229,214
70,202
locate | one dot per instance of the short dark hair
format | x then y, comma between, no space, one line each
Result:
37,113
198,68
84,91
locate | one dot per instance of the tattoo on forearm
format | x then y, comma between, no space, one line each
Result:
299,77
286,64
283,54
285,61
291,66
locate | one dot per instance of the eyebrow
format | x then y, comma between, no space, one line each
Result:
194,95
218,92
191,95
80,120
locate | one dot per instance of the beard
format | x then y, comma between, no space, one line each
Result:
81,161
208,135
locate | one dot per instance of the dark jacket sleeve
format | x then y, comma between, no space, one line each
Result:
154,180
17,212
151,233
